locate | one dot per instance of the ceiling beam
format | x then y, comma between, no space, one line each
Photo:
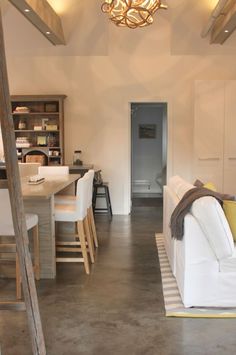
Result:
217,11
43,17
224,25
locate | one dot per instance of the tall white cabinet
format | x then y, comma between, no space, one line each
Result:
229,180
214,133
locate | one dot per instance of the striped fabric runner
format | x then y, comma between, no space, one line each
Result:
172,299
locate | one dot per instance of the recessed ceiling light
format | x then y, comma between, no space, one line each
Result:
48,32
26,10
226,31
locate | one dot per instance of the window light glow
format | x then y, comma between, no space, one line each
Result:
60,6
211,4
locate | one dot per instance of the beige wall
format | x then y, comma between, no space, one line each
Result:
104,68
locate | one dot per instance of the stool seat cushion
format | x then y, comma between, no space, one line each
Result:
64,199
67,213
6,225
31,220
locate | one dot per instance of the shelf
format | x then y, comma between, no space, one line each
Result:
34,130
43,111
39,146
34,113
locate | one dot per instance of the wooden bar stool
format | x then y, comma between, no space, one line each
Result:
71,199
77,214
97,193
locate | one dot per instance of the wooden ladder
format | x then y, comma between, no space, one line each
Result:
28,284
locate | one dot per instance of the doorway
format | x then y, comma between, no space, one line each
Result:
148,153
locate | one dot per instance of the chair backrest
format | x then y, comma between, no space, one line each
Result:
5,208
82,196
88,175
27,169
90,187
6,220
53,170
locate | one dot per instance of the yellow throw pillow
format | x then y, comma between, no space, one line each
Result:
210,186
230,213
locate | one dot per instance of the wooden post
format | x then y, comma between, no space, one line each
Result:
14,185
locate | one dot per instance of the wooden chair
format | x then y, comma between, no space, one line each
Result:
77,214
8,246
71,199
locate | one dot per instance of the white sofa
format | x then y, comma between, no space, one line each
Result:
204,262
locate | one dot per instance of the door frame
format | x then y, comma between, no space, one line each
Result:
169,162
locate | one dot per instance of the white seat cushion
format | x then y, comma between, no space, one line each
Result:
31,220
65,199
7,229
66,213
214,225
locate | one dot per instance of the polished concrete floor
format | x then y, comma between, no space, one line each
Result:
118,309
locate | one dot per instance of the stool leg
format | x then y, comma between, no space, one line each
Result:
94,197
18,279
89,239
93,227
80,231
108,200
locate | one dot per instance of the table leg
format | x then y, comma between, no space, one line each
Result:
44,209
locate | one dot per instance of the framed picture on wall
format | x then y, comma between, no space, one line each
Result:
147,131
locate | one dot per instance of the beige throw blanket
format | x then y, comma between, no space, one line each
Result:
184,205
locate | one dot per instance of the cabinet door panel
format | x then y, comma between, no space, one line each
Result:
230,179
210,171
208,131
230,140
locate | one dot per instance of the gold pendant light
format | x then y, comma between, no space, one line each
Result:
132,13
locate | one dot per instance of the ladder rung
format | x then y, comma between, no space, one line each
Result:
12,306
7,248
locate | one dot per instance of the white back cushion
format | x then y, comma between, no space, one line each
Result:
53,170
211,218
27,169
179,186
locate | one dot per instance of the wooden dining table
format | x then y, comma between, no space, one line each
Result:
39,199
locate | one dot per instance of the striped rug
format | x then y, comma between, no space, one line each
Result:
173,303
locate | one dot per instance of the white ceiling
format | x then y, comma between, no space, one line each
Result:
88,31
